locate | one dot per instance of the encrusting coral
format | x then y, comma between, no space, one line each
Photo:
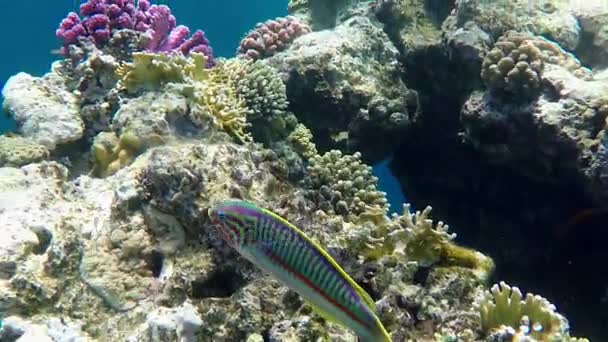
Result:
533,316
18,151
150,71
516,63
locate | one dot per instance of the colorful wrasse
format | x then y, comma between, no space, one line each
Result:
281,249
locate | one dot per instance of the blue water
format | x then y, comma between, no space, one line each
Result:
389,184
29,34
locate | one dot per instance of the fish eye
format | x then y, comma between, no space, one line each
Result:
221,215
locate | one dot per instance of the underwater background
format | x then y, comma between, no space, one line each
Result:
494,114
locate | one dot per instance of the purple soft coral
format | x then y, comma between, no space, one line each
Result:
101,17
167,37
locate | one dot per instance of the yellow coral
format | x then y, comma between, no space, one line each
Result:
215,99
111,153
534,316
152,70
301,140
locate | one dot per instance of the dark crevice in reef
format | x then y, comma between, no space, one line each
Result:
421,276
590,55
44,241
156,261
221,284
438,10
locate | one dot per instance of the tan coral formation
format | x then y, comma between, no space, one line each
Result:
342,184
516,63
531,316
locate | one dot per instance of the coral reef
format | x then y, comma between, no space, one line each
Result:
126,143
344,85
271,37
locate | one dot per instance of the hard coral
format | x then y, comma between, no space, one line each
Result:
167,37
516,63
151,70
112,153
103,17
301,139
533,316
271,37
259,85
17,151
342,184
219,101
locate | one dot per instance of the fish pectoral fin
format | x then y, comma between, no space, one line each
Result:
327,316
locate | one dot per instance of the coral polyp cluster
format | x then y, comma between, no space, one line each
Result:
271,37
516,63
343,185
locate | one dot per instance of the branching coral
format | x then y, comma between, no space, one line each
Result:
515,65
415,237
211,93
301,139
259,85
342,184
218,101
103,18
534,316
261,88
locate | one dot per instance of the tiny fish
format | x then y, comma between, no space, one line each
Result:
281,249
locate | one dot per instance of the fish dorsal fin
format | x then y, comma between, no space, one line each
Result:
367,299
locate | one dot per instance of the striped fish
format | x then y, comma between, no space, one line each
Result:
279,248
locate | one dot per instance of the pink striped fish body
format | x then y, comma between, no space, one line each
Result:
279,248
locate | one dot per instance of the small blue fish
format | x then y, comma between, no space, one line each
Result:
279,248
